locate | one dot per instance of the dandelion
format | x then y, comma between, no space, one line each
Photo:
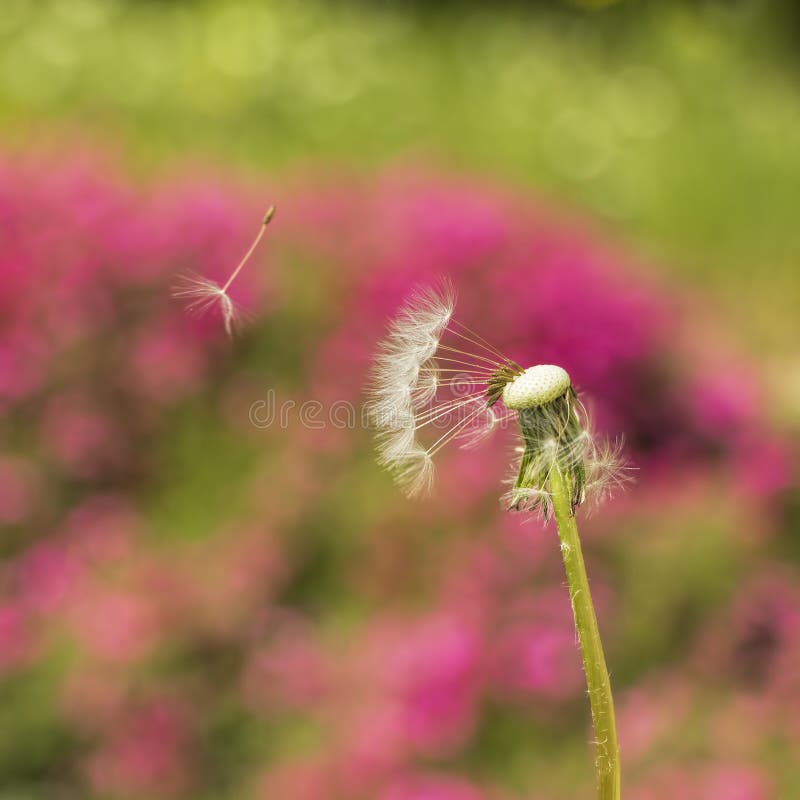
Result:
433,372
435,381
201,293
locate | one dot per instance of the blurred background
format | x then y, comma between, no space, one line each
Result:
196,604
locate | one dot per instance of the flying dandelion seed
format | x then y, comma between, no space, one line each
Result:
200,293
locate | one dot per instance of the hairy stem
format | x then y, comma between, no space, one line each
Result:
594,661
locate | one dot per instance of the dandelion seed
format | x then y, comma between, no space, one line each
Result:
200,293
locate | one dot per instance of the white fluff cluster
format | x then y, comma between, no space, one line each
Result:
404,381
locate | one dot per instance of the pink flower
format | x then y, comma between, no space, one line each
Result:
81,437
650,712
23,357
289,671
165,364
431,787
736,782
18,489
102,529
432,672
114,625
538,660
145,757
305,780
47,574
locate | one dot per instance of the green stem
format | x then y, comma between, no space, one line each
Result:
594,662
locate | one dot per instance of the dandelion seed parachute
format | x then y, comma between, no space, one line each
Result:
201,294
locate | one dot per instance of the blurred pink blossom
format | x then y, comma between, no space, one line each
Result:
538,660
83,439
304,780
430,787
47,574
289,671
649,713
116,626
736,782
384,628
146,756
18,489
431,670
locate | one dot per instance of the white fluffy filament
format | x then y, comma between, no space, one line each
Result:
417,383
